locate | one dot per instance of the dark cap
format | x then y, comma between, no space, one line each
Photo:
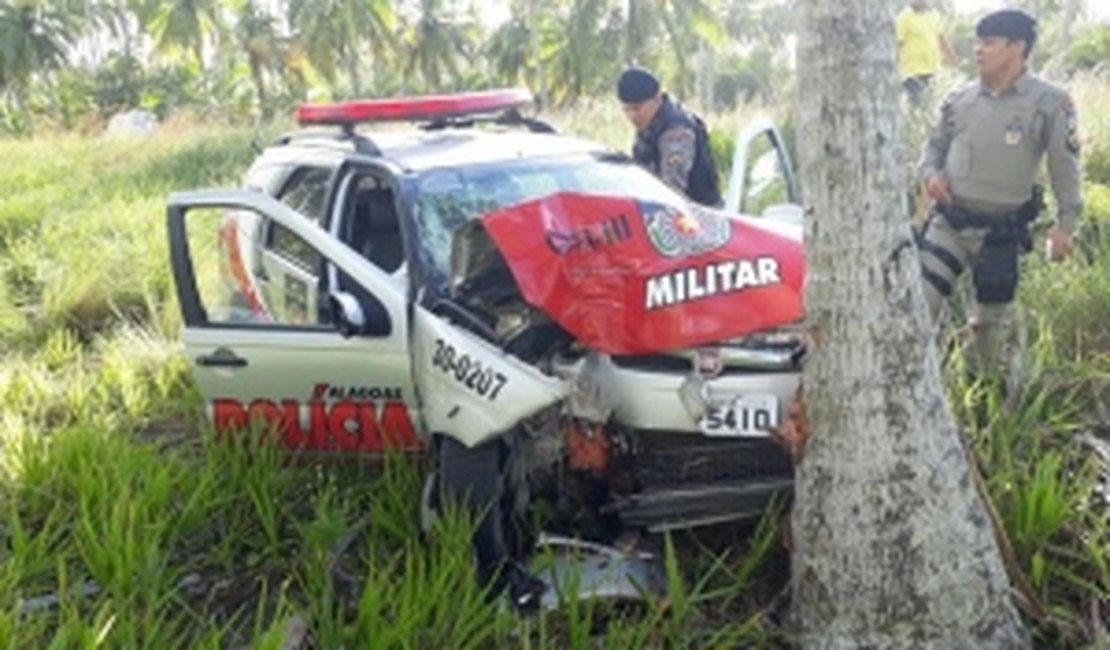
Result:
637,85
1013,24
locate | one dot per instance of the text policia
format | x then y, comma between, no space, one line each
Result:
334,419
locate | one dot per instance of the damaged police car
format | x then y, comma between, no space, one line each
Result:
545,318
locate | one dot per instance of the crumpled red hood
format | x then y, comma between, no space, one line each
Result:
626,276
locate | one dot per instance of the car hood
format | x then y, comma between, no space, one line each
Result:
626,276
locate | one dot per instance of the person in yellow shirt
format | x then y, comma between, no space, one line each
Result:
922,47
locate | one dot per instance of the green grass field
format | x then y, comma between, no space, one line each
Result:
125,524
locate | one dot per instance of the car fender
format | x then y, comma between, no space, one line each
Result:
470,389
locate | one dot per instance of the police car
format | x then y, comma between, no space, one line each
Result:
347,300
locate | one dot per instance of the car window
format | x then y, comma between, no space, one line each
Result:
295,250
372,224
271,288
306,192
448,198
264,176
765,179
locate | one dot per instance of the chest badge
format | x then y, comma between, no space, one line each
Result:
1014,134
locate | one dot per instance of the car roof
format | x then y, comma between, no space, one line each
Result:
419,150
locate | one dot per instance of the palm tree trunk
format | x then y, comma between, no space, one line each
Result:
1071,12
893,545
632,36
259,85
353,71
537,58
679,51
704,75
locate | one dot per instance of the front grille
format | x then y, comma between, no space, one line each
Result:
673,459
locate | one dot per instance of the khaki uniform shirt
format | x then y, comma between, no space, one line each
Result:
989,147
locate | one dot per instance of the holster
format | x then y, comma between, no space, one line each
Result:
996,270
996,267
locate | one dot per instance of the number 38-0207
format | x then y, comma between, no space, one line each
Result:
468,371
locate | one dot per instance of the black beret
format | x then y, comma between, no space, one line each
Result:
637,85
1013,24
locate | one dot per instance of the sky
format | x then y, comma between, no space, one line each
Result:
1098,10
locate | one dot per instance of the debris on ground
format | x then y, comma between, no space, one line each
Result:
53,599
595,571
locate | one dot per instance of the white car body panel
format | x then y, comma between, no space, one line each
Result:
652,400
455,402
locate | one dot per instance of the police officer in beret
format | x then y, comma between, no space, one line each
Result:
978,167
670,142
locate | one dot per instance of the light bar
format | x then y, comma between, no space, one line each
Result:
413,109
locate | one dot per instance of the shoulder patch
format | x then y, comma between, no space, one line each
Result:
677,138
1067,104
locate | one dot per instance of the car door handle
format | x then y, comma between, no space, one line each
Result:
222,358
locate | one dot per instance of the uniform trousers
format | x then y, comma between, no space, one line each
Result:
946,252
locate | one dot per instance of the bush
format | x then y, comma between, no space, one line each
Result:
1091,92
721,144
1096,164
1094,236
1090,49
119,84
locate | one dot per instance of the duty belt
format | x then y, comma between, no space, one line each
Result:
1023,215
959,218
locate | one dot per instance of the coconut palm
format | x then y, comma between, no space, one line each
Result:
750,22
183,25
436,42
333,33
688,26
509,50
256,35
34,38
580,48
120,19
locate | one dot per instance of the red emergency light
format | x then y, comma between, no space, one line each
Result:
412,109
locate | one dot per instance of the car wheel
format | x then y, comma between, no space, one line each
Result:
471,477
474,478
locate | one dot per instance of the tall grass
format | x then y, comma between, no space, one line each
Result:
81,226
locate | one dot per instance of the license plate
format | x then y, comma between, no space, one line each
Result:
748,415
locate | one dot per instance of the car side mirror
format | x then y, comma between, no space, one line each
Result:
349,316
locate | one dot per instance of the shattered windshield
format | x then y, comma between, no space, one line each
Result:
448,198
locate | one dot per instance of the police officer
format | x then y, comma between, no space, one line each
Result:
978,167
670,142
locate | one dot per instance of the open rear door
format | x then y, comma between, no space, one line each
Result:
762,180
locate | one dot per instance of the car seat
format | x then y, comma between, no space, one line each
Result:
376,232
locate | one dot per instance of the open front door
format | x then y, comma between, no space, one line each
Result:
762,180
262,327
